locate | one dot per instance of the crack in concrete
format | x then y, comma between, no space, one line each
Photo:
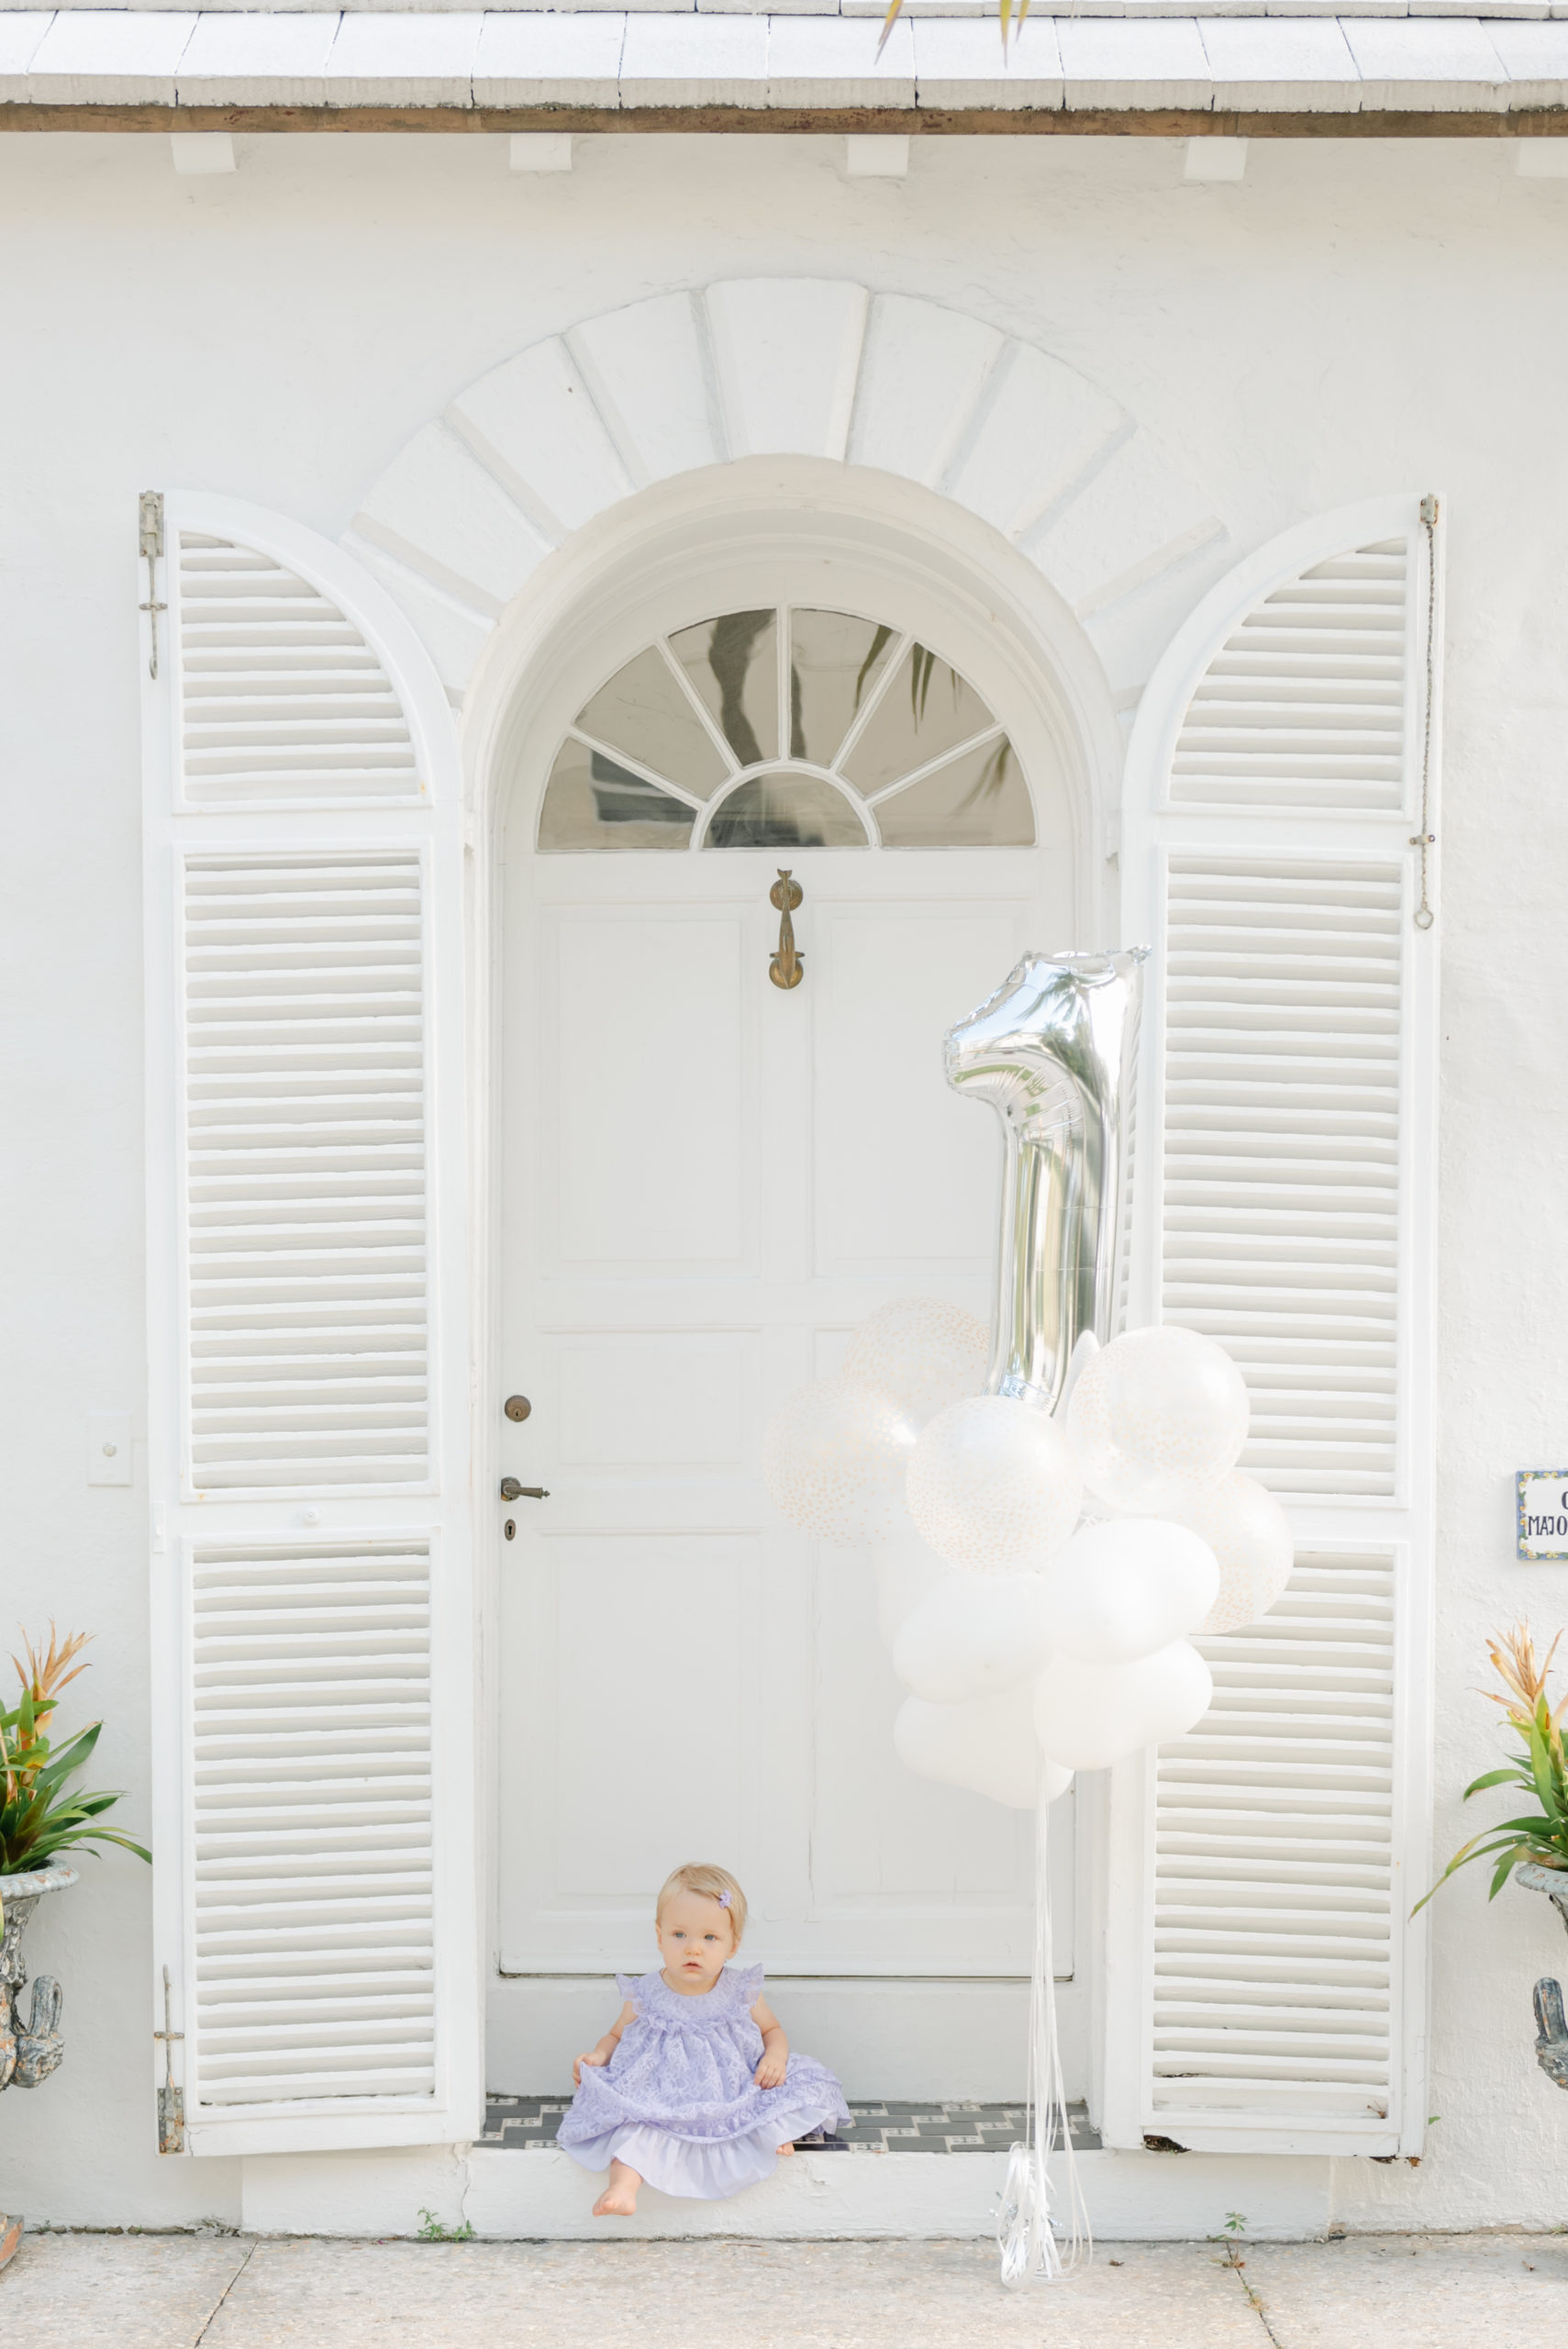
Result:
1237,2266
218,2304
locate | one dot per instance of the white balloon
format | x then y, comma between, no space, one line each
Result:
922,1353
1090,1715
993,1486
1157,1418
1250,1537
834,1459
987,1746
1124,1588
906,1572
974,1635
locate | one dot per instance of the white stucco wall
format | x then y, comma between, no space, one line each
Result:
1353,319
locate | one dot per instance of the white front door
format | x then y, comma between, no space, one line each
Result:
709,1181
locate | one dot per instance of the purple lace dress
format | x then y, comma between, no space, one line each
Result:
677,2101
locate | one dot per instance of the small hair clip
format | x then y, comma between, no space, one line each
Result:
723,1900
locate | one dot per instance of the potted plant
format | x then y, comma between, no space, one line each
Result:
41,1818
1536,1843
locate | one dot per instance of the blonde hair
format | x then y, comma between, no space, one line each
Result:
713,1883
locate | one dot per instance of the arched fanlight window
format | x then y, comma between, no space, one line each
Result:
786,728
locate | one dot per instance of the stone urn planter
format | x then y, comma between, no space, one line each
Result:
1551,2024
30,2049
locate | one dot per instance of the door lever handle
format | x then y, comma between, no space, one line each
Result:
512,1491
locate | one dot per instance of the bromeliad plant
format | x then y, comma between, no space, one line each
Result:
1541,1835
40,1818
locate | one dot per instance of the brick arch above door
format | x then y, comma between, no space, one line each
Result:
758,367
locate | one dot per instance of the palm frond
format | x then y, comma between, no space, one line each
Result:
40,1815
1540,1770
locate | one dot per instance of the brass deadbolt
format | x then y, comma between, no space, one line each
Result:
517,1407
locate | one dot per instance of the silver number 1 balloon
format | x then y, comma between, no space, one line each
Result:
1053,1052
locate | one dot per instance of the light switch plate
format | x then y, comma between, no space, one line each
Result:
108,1448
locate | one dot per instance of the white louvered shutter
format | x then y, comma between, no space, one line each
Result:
314,1891
1266,1986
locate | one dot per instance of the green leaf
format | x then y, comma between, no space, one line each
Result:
1496,1778
1541,1766
1503,1838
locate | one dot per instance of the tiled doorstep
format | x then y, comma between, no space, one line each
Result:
544,2194
523,2123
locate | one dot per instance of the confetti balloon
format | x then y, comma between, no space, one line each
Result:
993,1486
922,1353
1122,1589
974,1635
1250,1537
1090,1715
987,1746
834,1461
1157,1418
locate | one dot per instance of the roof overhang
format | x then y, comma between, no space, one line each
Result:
596,69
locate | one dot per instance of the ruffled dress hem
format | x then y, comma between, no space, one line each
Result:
704,2171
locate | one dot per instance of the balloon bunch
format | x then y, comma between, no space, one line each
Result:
1084,1552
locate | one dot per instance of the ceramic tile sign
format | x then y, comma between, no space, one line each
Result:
1543,1512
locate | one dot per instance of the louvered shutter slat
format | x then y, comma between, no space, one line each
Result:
282,699
1274,1889
1269,1978
1303,707
314,1860
1295,1223
270,1875
303,1235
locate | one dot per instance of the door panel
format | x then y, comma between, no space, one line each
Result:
646,1101
643,1728
655,1401
901,1163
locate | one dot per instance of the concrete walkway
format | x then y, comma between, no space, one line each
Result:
236,2292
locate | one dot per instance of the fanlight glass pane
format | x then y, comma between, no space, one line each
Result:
928,709
784,811
977,801
589,802
733,665
836,663
643,712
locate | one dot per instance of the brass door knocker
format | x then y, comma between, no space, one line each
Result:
787,968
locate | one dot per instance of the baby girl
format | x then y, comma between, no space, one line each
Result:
694,2087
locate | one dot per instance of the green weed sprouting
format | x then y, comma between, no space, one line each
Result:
432,2230
1539,1835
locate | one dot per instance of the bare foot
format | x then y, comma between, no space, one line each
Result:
618,2199
783,2149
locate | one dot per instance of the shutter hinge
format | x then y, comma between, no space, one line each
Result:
149,510
171,2099
1429,511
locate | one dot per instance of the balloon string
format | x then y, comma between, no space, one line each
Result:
1026,2238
